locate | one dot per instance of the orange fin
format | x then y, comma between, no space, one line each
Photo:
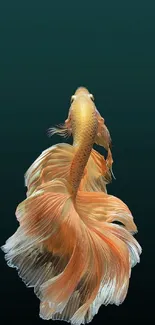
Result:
52,163
109,162
34,263
103,137
47,312
97,173
106,208
64,130
71,252
55,162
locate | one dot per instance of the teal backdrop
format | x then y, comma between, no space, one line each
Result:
47,50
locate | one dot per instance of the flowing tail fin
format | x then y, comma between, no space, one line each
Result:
55,162
71,252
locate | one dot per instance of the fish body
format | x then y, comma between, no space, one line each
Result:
67,246
84,129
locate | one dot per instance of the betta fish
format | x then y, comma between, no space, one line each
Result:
74,244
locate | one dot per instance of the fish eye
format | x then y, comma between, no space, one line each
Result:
72,98
92,97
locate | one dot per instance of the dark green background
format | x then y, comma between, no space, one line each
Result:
47,49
